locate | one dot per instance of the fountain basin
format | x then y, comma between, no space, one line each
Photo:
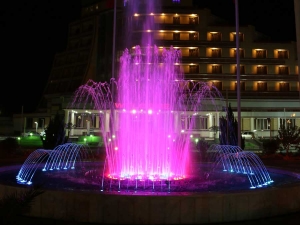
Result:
124,207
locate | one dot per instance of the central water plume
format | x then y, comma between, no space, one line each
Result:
147,129
149,138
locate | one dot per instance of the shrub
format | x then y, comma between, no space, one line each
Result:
202,147
270,146
9,146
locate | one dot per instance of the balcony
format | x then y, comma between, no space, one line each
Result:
181,27
231,60
196,43
262,94
243,77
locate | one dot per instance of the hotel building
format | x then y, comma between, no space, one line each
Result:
269,74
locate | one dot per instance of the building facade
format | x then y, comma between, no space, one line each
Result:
269,74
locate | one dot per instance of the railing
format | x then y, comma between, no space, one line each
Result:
197,43
243,77
263,94
231,60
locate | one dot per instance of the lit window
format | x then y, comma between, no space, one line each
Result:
262,123
262,86
287,122
216,69
283,54
176,1
217,84
284,86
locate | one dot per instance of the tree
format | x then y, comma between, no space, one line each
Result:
54,133
229,129
287,136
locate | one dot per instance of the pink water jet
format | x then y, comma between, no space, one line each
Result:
149,143
145,127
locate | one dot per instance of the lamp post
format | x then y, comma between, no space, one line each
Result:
43,124
36,126
237,41
113,66
297,22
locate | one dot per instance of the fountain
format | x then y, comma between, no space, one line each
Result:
145,138
149,175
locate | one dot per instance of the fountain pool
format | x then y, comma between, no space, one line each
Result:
208,195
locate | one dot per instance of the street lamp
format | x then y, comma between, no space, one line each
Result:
36,126
237,42
43,123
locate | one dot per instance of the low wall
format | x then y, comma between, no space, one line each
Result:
164,208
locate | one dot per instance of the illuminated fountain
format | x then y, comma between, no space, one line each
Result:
146,118
142,131
62,157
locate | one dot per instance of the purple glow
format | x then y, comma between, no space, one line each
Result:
147,121
147,129
149,142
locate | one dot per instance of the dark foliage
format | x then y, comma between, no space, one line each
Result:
288,135
9,146
54,133
229,129
17,203
270,146
202,147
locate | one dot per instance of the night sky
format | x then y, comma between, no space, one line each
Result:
33,31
